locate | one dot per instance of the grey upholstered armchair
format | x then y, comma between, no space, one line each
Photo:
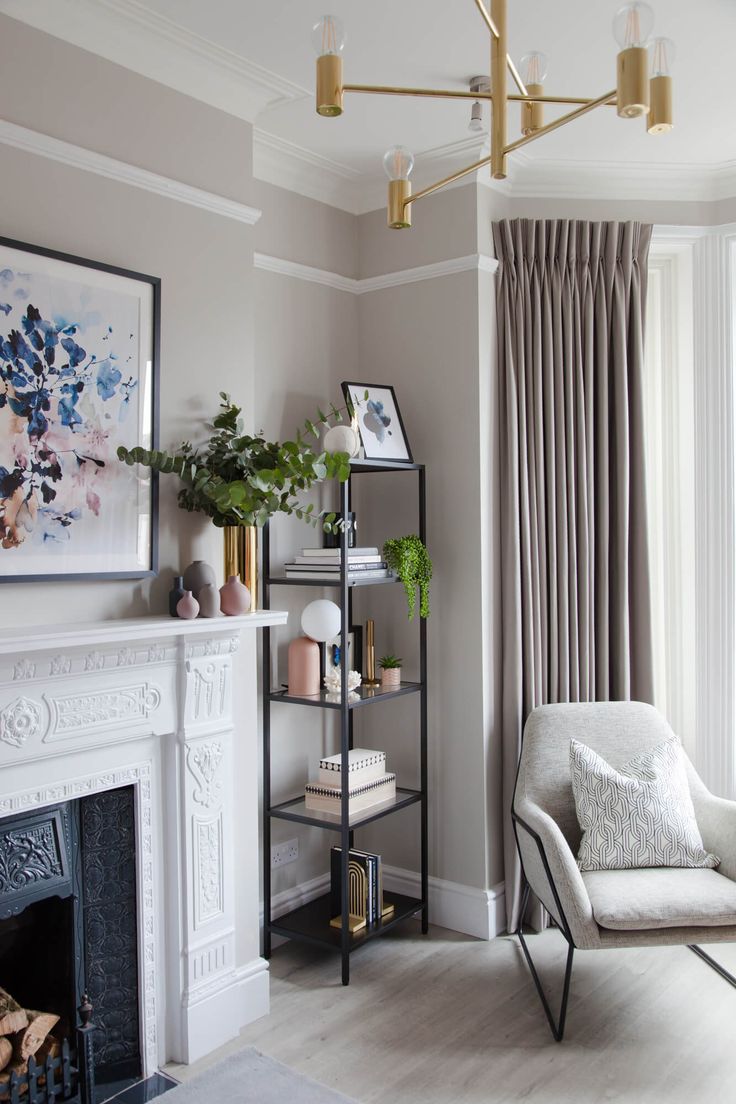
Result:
614,908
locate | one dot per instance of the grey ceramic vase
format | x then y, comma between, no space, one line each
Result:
196,575
175,595
209,600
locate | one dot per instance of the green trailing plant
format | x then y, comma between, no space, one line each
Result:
408,557
389,662
236,479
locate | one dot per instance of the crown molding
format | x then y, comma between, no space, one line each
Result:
569,179
291,166
31,141
130,34
474,262
288,165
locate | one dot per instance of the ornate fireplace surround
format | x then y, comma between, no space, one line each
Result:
149,703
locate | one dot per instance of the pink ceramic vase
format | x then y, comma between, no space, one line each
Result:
188,606
234,597
303,667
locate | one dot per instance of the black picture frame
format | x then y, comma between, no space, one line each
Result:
142,343
373,447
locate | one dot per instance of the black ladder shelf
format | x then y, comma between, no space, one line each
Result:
311,922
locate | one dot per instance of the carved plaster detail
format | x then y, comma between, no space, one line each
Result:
23,669
126,657
203,649
208,685
203,761
94,661
79,712
60,665
209,881
19,720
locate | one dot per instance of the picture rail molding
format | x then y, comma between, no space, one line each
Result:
77,157
473,262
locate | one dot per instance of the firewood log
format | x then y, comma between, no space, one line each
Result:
6,1051
12,1016
50,1048
28,1041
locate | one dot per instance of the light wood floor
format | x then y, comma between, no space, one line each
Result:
445,1019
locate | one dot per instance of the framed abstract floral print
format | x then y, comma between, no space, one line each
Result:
378,420
79,347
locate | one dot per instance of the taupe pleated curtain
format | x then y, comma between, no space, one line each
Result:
575,576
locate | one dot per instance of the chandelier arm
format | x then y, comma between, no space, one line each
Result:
446,180
509,61
563,119
439,93
556,100
456,94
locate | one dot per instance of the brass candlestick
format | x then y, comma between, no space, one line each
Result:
370,656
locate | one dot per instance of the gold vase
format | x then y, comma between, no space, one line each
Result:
241,557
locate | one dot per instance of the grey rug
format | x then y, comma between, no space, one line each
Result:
249,1077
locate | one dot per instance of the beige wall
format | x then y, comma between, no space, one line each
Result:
282,346
423,338
306,342
444,225
205,264
295,228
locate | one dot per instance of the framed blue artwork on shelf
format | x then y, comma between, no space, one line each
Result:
379,421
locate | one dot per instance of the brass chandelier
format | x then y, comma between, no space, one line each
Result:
643,88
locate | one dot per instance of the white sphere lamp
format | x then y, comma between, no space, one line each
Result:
341,438
321,620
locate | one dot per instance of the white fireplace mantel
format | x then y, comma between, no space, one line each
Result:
148,702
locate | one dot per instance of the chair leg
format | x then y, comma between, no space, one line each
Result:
713,964
557,1028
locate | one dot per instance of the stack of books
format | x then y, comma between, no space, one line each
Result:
365,890
323,565
366,778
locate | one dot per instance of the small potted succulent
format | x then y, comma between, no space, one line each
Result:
390,672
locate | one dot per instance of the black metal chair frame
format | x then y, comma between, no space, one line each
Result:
557,1027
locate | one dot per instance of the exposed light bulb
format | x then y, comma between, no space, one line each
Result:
633,24
534,67
328,36
476,117
662,53
398,163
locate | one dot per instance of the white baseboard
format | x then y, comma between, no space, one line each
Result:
217,1014
461,908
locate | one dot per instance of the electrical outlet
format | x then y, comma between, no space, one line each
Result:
283,853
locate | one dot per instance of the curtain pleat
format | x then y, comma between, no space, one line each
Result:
575,575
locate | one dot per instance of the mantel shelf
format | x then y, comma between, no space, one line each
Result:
44,637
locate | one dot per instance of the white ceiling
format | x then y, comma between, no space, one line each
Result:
439,43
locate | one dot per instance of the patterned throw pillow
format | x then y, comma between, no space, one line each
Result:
639,816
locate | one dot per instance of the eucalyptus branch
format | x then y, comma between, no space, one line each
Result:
237,479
